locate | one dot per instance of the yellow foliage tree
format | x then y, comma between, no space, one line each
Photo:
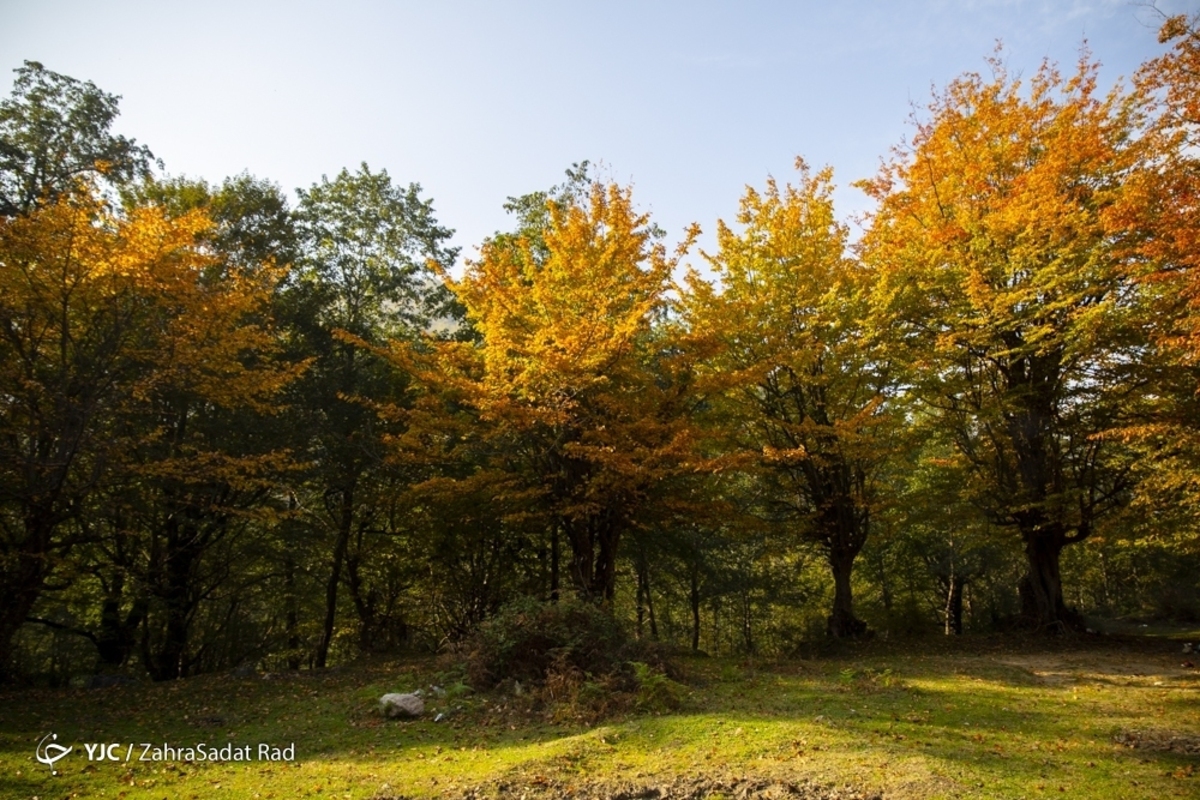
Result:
1158,220
806,382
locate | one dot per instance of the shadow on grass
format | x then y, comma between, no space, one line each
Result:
963,715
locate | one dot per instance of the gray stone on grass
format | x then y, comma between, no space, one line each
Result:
395,706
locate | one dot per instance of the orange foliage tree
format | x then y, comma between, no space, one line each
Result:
570,369
1002,281
1158,220
105,322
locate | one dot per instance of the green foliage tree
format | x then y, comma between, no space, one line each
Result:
361,279
54,133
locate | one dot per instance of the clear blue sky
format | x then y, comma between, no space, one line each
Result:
688,101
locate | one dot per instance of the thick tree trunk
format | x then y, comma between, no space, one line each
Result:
117,637
594,558
604,574
170,660
842,623
579,536
1042,602
21,585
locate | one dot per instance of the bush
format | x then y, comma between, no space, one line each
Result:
571,641
528,640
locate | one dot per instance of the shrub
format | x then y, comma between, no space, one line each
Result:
655,691
528,640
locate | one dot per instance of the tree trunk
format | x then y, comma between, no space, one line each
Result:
1041,592
291,600
170,661
695,601
117,637
579,536
641,601
650,608
604,575
954,604
292,615
555,560
20,586
842,623
747,624
645,603
345,521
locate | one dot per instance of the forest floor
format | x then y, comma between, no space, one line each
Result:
1114,716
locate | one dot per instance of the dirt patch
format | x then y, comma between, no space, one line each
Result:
1147,669
696,787
1159,741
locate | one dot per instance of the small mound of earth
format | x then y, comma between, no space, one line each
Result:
1159,741
678,788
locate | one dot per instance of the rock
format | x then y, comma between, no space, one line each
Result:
395,706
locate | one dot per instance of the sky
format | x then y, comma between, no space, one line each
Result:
687,102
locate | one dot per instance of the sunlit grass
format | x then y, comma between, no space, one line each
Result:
1033,722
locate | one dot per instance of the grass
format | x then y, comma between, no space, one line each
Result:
974,718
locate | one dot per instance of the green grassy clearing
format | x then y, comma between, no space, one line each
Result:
985,718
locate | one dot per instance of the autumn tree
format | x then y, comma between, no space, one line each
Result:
1003,286
252,224
570,371
792,352
1157,221
103,316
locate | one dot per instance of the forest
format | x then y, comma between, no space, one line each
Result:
241,428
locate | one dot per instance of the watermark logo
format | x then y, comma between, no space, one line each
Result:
49,751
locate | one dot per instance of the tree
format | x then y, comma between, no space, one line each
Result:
809,387
1000,278
252,224
54,134
100,318
568,370
361,279
1157,220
